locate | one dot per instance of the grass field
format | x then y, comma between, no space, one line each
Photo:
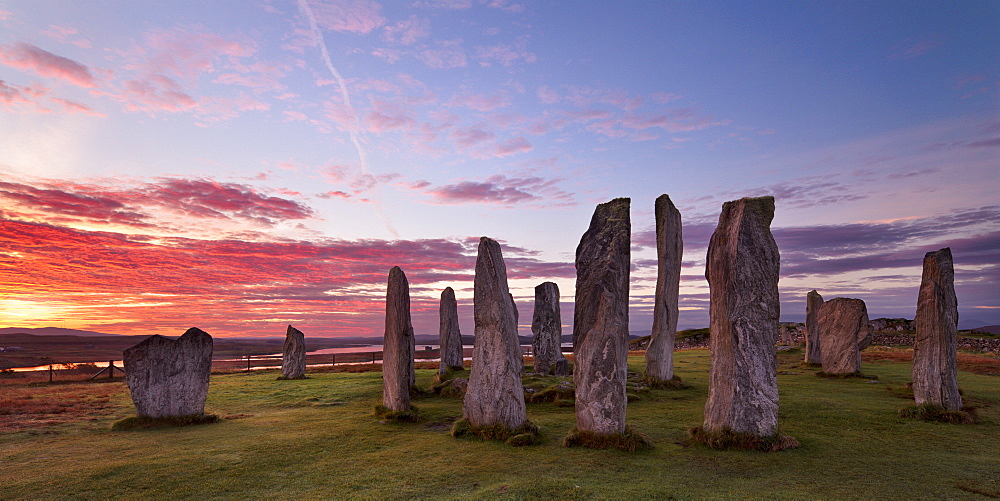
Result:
319,438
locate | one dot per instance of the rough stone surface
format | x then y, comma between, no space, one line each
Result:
495,395
843,333
398,344
669,251
450,336
293,354
742,271
546,326
562,367
167,377
813,303
600,323
935,378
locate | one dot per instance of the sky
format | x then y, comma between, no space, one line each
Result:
242,166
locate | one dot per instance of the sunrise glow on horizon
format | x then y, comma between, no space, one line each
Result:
242,166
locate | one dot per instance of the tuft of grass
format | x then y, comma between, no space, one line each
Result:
810,365
630,440
144,422
675,383
412,415
933,412
732,440
846,375
526,434
283,378
558,391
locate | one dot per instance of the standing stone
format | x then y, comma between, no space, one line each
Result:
495,395
742,271
813,303
600,323
546,325
167,377
450,336
843,333
669,251
397,344
293,354
934,350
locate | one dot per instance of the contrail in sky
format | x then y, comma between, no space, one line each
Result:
353,131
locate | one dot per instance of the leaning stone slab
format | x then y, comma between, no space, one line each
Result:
742,271
843,333
167,377
813,303
495,397
449,334
397,345
293,354
600,323
935,379
546,326
669,251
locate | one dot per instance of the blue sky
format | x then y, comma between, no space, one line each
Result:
278,157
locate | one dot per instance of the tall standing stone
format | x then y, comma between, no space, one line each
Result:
813,303
600,322
669,251
450,336
843,333
293,354
742,271
546,326
167,377
495,395
935,378
397,344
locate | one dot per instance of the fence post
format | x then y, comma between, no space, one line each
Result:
333,360
248,363
111,369
373,357
50,373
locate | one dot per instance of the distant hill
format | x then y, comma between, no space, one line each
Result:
51,331
992,329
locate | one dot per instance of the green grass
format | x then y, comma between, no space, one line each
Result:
318,438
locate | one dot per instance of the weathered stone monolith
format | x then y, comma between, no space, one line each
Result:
813,303
742,271
669,251
167,377
495,395
546,325
935,378
450,336
843,333
293,354
600,323
397,344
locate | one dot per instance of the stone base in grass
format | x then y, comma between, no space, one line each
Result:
408,416
139,422
732,440
845,375
934,412
675,383
283,378
631,440
527,434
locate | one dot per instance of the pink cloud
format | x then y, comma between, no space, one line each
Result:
355,16
408,31
444,4
156,93
512,146
379,122
914,47
6,15
506,55
75,107
547,95
498,190
448,54
25,56
506,6
471,137
480,102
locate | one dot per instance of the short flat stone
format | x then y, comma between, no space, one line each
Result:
843,333
167,377
449,335
293,354
546,327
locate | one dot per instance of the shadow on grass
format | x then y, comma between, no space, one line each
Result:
145,422
526,434
412,415
630,441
